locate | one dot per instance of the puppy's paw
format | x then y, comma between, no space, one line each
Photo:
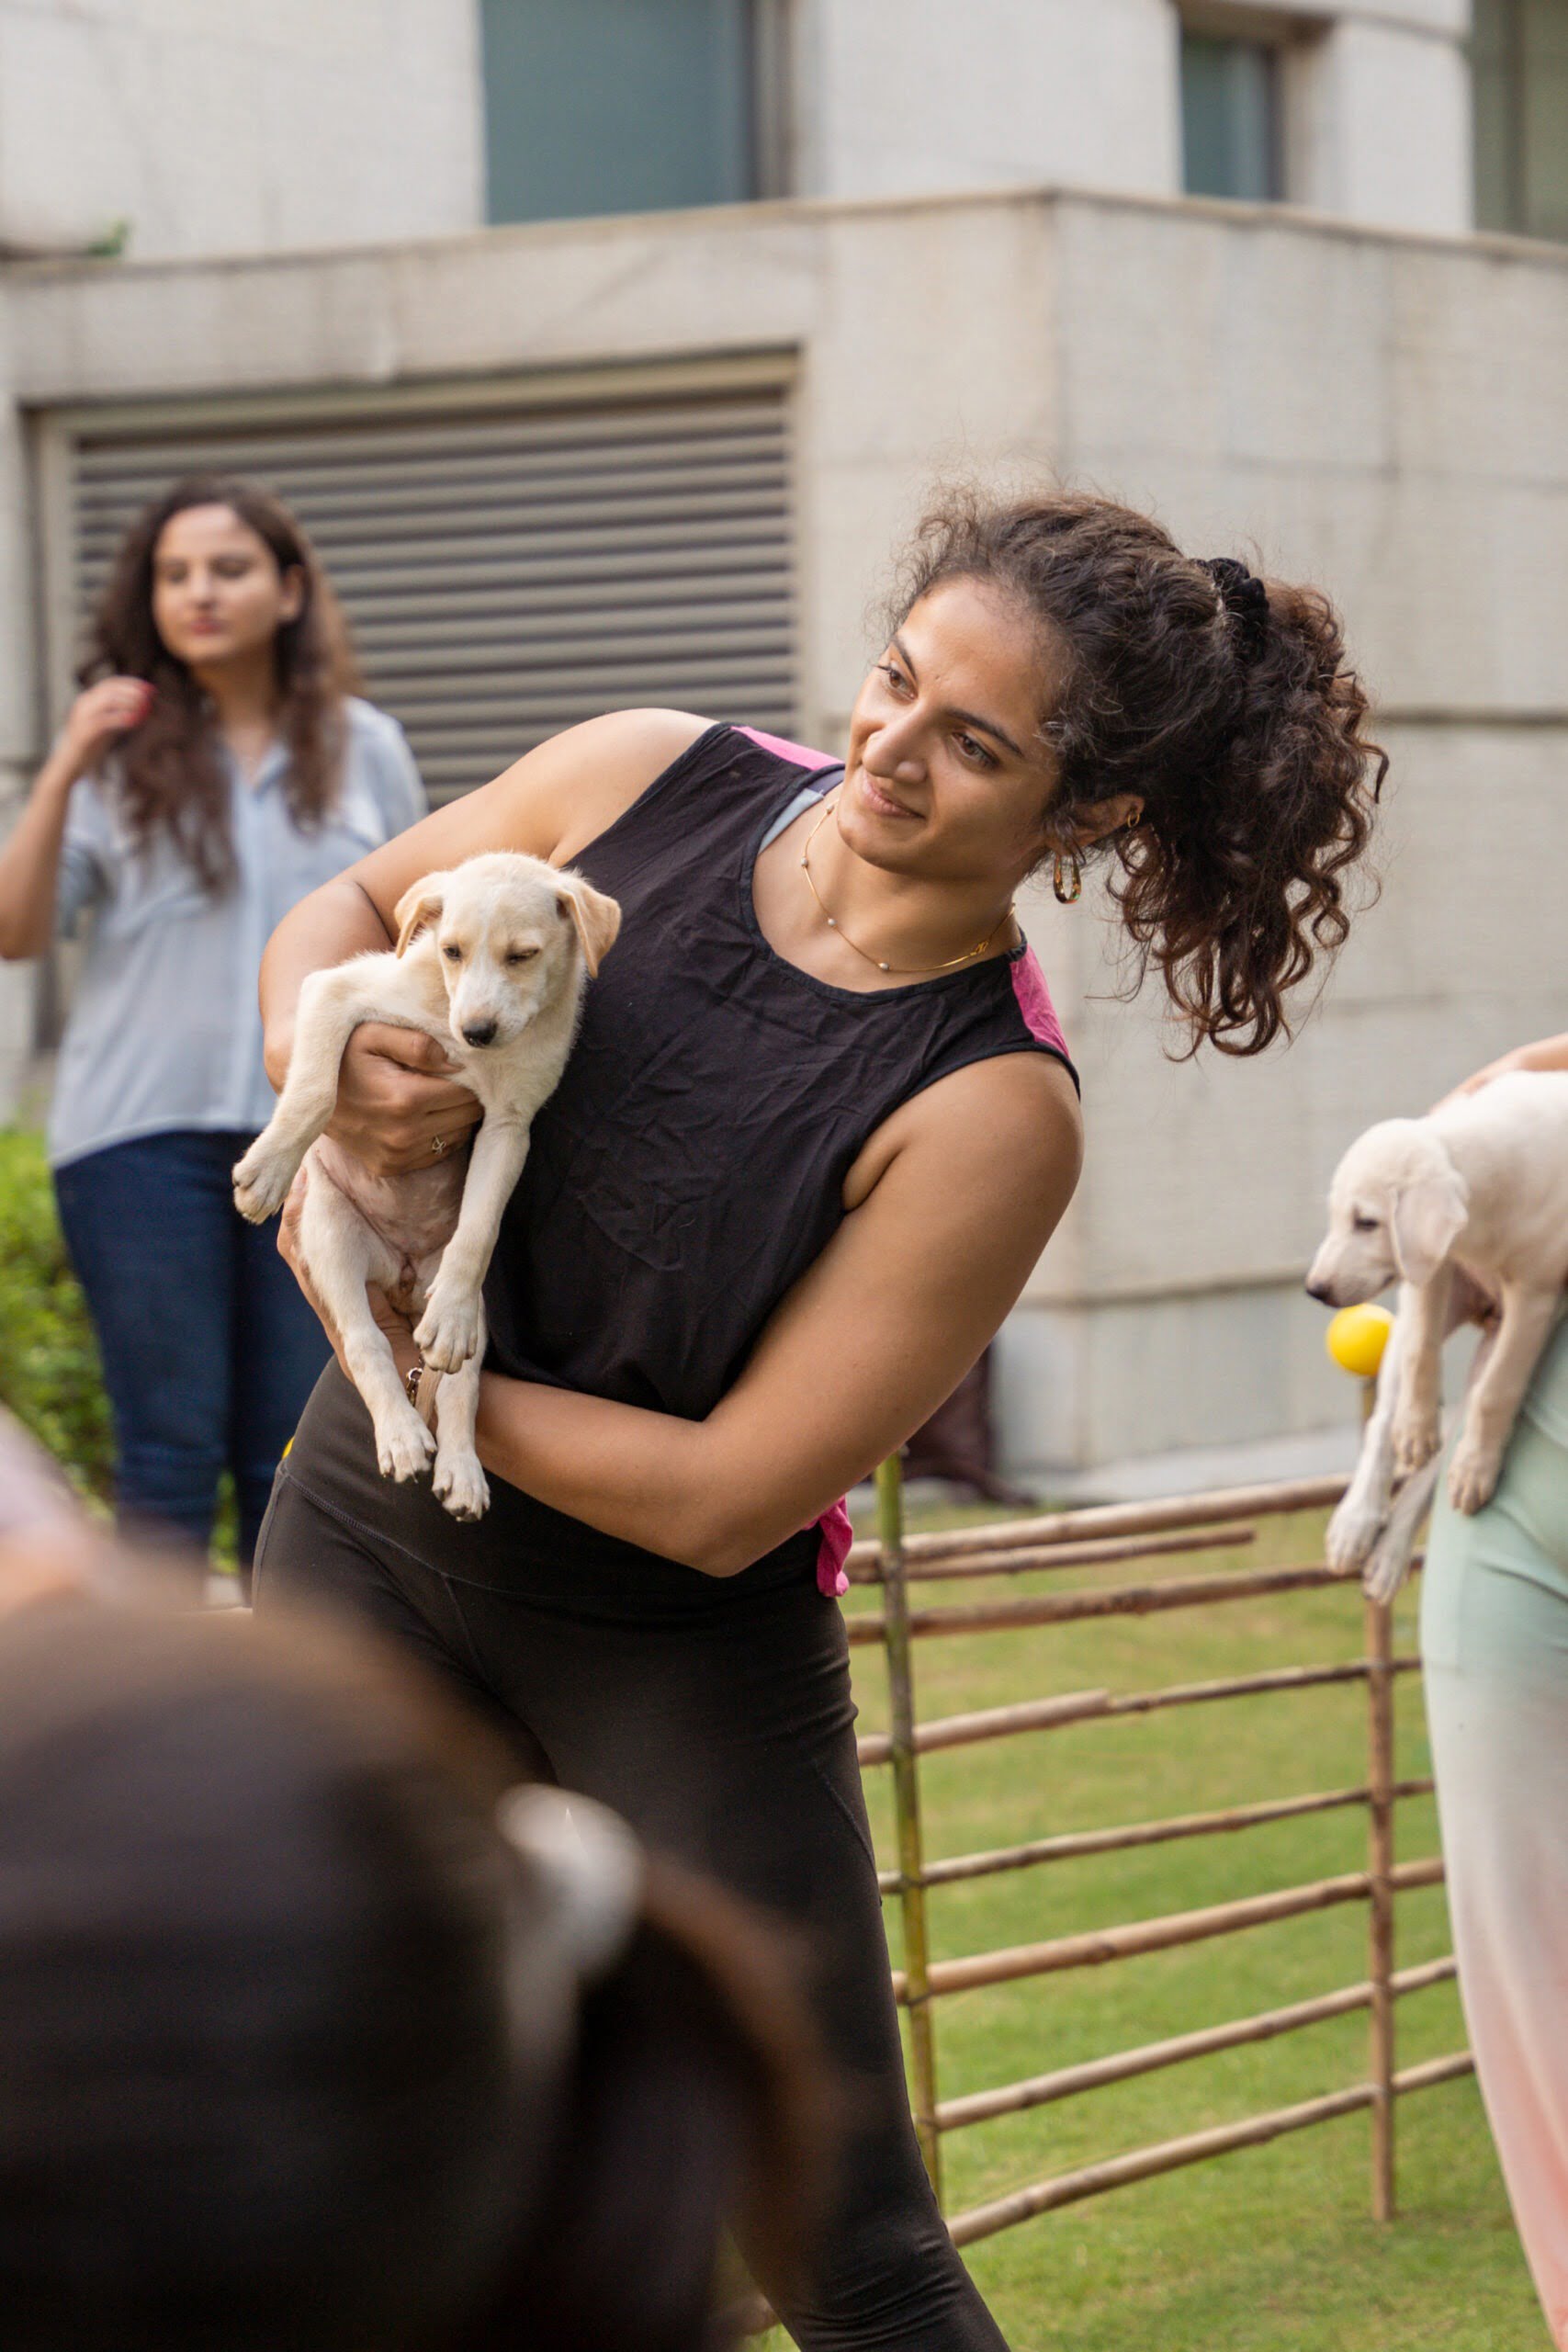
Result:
1355,1527
1387,1565
1416,1437
1473,1474
262,1180
460,1483
449,1331
403,1446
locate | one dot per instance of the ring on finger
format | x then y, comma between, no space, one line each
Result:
438,1145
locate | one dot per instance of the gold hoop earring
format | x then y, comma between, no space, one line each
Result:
1067,897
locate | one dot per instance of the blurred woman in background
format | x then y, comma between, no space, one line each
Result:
216,768
317,2035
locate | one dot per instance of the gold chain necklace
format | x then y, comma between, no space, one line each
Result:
900,971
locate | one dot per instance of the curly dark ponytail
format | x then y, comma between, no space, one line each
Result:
1226,704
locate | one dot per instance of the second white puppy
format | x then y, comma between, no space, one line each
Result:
492,960
1469,1208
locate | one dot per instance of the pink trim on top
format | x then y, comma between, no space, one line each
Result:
831,1553
797,753
1034,1004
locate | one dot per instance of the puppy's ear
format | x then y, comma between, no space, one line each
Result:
419,907
1427,1218
597,919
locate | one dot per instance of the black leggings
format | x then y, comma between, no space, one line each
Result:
716,1717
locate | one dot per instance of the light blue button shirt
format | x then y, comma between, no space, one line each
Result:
163,1030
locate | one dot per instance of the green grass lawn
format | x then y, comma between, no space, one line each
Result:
1265,2248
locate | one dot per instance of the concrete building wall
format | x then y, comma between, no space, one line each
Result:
1380,122
267,125
1377,99
1387,415
238,126
891,104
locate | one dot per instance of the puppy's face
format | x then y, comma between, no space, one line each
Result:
506,930
501,951
1397,1207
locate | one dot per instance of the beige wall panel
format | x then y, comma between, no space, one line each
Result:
1029,91
227,126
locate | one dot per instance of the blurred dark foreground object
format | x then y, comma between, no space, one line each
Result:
317,2036
957,1443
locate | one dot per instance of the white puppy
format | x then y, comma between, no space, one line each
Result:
490,960
1468,1208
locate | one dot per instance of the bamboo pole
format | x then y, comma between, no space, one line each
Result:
1130,1942
1089,1706
1380,1910
1061,1555
990,1722
1123,2065
1249,1686
1112,1601
1433,2071
907,1814
1225,1504
1142,2163
1072,1844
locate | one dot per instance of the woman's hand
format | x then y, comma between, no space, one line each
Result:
397,1101
390,1318
29,862
97,716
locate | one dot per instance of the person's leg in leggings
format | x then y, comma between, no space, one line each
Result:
307,1556
727,1738
279,1349
1494,1638
719,1721
148,1237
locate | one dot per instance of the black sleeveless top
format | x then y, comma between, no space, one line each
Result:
691,1164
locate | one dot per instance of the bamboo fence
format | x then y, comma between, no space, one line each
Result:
895,1563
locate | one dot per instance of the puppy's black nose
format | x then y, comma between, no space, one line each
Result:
479,1033
1320,1290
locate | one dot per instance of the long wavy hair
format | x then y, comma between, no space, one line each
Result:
1228,705
168,770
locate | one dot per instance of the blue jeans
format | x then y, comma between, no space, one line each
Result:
210,1349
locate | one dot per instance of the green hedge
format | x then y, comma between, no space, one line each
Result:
49,1358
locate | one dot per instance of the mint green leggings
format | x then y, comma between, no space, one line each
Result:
1494,1639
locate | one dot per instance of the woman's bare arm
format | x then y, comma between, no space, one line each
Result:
393,1097
1544,1054
910,1289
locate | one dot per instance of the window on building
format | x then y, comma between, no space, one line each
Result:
627,106
1519,60
1230,132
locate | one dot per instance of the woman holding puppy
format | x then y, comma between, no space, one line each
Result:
1495,1660
817,1128
215,768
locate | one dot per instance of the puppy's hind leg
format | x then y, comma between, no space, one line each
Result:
342,1255
459,1480
1390,1555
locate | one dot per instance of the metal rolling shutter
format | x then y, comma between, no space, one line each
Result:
508,571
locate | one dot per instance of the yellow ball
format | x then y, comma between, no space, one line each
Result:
1357,1337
